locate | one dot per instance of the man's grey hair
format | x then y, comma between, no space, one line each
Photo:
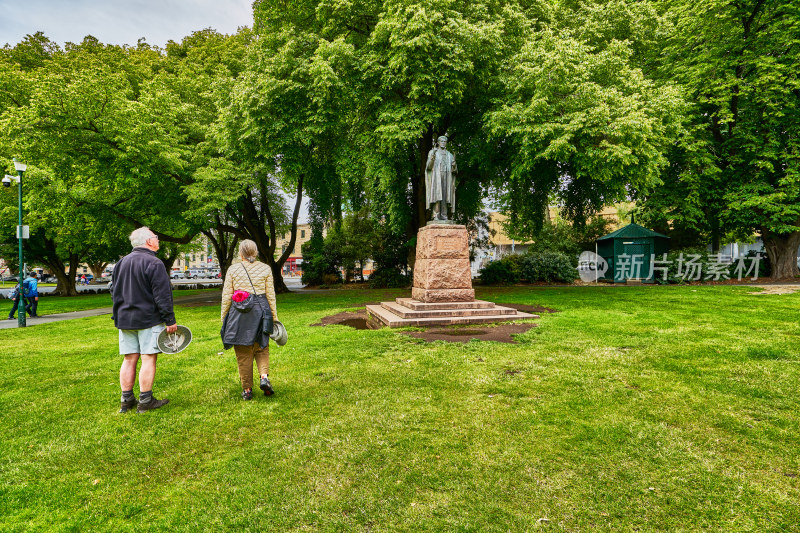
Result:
140,235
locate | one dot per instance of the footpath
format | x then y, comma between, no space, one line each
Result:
46,319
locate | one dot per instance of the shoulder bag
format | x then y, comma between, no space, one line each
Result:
267,321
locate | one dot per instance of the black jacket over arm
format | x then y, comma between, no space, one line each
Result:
142,293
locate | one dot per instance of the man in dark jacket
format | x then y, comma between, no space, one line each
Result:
142,297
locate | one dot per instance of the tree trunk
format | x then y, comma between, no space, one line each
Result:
715,234
277,266
224,246
65,284
97,269
168,262
251,221
782,252
168,254
418,192
277,278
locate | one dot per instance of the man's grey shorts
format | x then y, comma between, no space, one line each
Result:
140,340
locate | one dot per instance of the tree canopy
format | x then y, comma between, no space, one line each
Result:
738,168
688,108
534,108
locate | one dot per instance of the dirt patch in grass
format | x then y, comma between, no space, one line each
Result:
777,289
500,332
354,319
495,332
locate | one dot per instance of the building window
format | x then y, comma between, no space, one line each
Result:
302,234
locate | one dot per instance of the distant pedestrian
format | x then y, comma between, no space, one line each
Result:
30,288
248,312
15,296
142,297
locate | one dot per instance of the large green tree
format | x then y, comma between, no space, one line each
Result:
581,126
236,189
109,132
65,230
125,135
351,95
739,169
538,103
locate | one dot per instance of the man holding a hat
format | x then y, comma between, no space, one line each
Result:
142,296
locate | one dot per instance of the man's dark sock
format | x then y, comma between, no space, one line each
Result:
145,396
127,395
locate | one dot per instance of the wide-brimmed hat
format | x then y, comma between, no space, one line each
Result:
174,342
279,334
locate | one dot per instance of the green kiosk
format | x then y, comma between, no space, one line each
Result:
628,253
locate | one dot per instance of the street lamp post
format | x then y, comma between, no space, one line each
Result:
20,168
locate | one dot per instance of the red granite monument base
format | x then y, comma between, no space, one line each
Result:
442,293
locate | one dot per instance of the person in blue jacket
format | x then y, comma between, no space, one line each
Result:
30,289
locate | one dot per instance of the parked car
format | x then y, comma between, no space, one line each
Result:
195,273
176,274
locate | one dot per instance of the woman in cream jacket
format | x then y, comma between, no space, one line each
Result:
243,323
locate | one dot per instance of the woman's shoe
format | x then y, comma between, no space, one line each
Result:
266,386
247,394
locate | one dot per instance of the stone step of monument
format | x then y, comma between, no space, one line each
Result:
405,312
380,314
416,305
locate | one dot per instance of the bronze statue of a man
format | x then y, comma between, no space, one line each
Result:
440,187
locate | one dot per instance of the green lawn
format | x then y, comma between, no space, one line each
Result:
631,409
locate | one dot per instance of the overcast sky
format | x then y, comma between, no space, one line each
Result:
120,22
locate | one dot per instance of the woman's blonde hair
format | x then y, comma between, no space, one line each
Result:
248,250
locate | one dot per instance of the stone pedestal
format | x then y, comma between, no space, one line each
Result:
405,312
442,294
441,271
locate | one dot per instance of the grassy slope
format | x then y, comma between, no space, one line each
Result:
652,408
